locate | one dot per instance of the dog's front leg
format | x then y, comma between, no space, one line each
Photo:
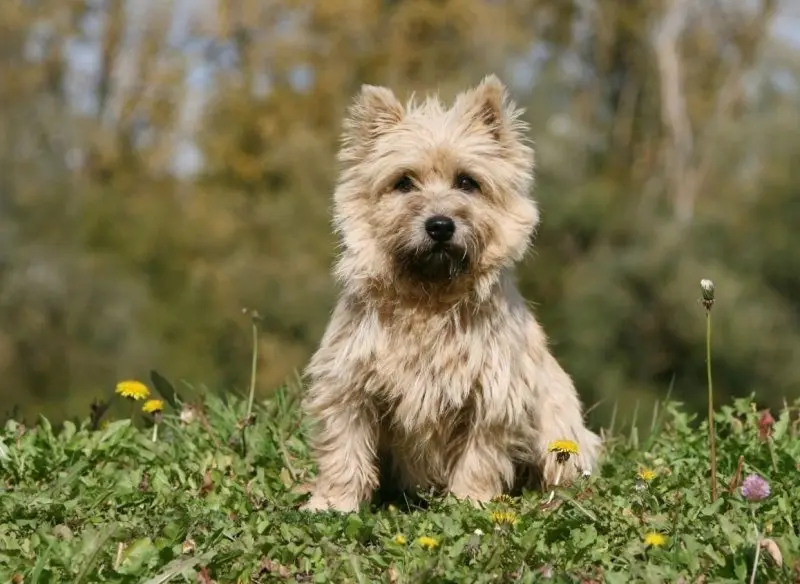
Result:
483,468
344,450
559,417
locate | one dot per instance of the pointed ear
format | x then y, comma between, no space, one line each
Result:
488,104
375,110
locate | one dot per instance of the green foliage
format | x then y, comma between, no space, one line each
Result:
111,505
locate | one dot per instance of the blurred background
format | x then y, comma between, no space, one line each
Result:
166,163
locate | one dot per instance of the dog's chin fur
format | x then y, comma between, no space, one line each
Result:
432,363
433,265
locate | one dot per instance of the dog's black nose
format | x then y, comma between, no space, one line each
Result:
440,228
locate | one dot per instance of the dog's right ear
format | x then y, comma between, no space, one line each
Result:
374,111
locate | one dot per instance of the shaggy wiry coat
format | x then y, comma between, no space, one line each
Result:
432,360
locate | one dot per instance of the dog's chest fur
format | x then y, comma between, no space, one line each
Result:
437,376
432,370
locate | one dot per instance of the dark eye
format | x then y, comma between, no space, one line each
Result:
466,183
404,185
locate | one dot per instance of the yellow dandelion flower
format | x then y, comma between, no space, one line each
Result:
655,539
504,498
400,539
135,390
566,446
152,406
647,475
427,542
563,449
503,517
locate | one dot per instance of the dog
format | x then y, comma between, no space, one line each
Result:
432,362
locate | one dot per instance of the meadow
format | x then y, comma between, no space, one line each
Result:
164,164
197,490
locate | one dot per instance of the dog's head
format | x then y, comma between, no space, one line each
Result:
431,199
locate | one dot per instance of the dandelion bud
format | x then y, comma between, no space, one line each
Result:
708,289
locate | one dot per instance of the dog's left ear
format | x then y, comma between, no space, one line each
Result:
488,104
374,111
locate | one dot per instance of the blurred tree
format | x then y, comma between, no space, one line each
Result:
622,248
665,142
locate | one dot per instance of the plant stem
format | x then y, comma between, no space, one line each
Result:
253,370
155,432
555,483
755,559
711,433
771,447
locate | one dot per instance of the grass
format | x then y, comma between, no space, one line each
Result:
111,505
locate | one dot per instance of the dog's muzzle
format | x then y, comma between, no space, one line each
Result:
436,263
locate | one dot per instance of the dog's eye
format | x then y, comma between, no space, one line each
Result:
466,183
404,185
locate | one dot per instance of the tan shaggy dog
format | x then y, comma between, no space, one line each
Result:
432,360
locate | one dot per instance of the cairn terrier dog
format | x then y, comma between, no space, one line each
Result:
432,365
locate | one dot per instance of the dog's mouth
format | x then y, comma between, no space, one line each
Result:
440,263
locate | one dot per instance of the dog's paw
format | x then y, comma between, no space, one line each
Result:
476,502
318,503
315,504
477,499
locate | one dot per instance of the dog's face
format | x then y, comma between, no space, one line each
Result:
433,199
